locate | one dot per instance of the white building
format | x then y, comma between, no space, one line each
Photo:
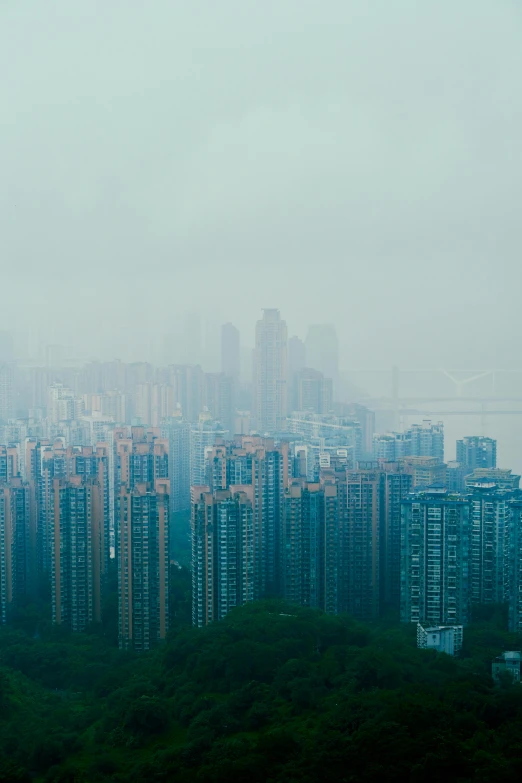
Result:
443,638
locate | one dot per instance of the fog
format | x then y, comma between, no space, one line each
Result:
350,162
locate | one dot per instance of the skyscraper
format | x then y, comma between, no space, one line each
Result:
313,391
270,371
231,352
16,564
6,391
223,568
310,545
142,536
177,432
322,351
435,551
219,398
143,564
76,554
477,452
490,519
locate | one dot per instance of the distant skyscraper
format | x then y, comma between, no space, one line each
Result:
296,362
177,432
270,367
231,352
202,438
223,549
219,398
6,391
314,392
435,544
322,351
6,347
515,566
477,452
420,440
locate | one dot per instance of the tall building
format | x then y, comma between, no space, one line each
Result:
310,545
435,552
188,381
223,552
490,518
426,471
263,466
398,484
514,565
63,404
203,436
16,564
477,452
231,352
270,372
6,391
313,392
177,432
322,351
296,363
361,498
143,564
153,402
6,347
455,475
76,554
420,440
219,399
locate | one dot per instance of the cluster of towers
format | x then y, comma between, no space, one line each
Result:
66,511
366,540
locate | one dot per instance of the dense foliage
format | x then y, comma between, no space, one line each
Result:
273,693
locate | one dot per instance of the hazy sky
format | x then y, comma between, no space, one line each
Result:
351,161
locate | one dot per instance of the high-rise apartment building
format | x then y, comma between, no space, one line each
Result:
153,402
263,466
435,559
490,518
231,352
76,551
420,440
141,465
203,436
397,485
16,565
477,452
361,498
219,399
177,432
188,381
514,565
313,392
223,552
62,404
310,545
426,471
270,372
6,391
322,351
143,564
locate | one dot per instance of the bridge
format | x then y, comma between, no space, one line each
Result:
489,404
